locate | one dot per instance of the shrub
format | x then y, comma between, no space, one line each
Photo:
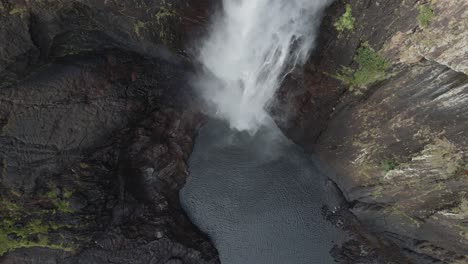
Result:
426,13
371,68
346,21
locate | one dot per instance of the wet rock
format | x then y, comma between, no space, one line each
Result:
398,146
78,202
93,94
416,121
13,236
443,39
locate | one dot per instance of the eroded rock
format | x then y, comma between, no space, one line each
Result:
398,147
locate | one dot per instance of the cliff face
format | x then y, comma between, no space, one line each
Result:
384,102
96,123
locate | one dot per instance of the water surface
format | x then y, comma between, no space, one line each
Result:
259,198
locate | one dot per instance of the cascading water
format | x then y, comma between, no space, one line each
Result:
257,196
252,46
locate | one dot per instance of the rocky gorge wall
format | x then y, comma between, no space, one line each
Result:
383,101
97,121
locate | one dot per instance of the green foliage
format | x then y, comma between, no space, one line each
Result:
163,18
67,194
138,26
18,230
51,194
18,10
164,13
62,204
22,227
346,21
371,68
426,14
388,165
9,206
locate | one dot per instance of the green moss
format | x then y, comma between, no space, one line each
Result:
346,21
388,165
164,13
51,194
137,27
9,206
426,14
163,19
67,194
14,235
371,68
62,204
34,227
27,225
15,193
18,10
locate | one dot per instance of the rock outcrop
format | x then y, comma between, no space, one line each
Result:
384,102
97,121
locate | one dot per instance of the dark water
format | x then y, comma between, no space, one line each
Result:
259,198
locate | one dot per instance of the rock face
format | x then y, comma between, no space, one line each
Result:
97,121
395,136
400,156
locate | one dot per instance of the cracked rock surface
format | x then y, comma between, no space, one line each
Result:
398,146
97,121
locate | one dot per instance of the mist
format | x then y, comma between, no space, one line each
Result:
251,47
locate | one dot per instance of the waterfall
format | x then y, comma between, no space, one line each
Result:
251,47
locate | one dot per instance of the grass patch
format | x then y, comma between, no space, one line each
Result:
426,14
346,21
371,68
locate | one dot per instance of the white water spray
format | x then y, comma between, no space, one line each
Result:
252,46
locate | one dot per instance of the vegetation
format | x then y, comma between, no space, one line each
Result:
346,21
163,18
164,13
19,230
18,10
371,68
137,27
426,14
388,165
161,21
62,204
21,227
